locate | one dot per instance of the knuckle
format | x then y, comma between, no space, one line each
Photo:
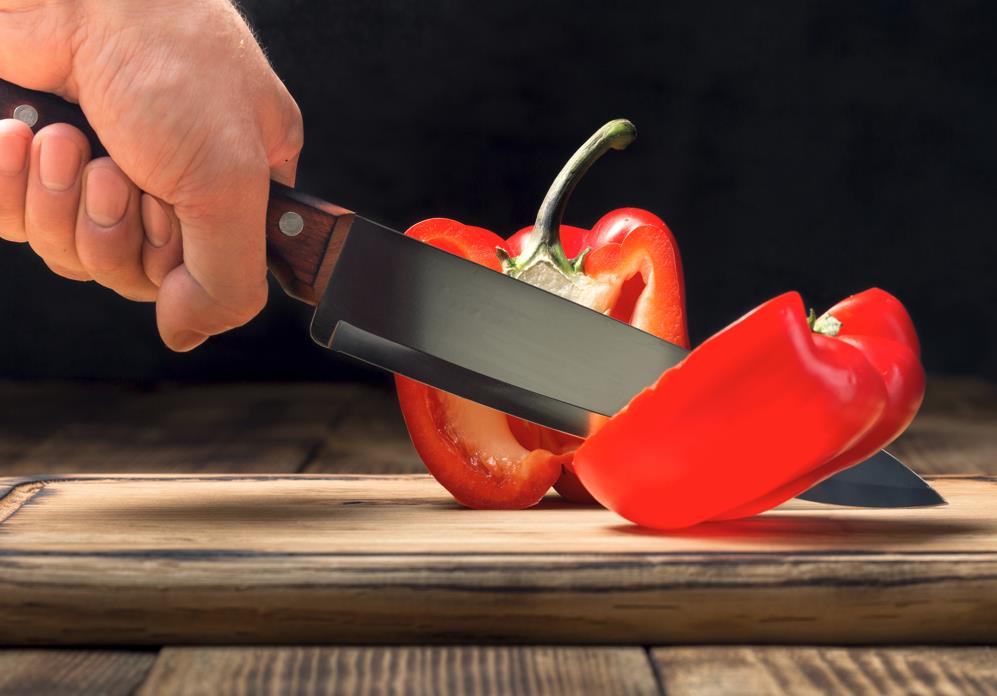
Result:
294,129
284,132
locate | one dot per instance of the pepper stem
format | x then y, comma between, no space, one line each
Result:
826,324
544,242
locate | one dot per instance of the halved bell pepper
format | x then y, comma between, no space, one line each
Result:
626,266
758,413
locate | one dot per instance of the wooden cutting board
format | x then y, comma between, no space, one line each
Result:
391,559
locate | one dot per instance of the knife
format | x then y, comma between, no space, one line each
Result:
466,329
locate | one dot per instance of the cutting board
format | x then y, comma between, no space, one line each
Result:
392,559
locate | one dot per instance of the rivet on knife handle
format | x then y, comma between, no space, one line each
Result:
27,114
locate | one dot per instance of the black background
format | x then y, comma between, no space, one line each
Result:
824,147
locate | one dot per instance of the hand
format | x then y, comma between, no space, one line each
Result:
196,124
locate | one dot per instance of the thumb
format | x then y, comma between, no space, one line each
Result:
222,281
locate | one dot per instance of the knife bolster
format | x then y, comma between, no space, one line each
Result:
302,252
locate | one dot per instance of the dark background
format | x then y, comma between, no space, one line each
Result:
813,146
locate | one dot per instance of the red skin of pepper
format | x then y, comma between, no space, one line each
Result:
610,251
634,246
445,455
877,324
618,242
757,406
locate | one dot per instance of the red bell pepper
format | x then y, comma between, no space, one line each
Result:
877,324
626,266
759,412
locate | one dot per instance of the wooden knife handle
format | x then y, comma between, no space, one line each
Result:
304,233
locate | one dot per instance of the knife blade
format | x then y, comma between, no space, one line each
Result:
413,309
880,481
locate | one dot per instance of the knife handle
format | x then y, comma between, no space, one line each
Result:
304,233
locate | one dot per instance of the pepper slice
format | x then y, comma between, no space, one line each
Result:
876,323
758,413
626,266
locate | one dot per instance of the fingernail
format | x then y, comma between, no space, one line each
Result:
13,154
59,163
106,197
187,340
158,228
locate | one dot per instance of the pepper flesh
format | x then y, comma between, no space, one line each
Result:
487,459
757,413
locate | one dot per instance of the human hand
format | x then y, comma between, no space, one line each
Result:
196,124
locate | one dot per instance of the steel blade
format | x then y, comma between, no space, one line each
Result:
421,312
424,313
880,481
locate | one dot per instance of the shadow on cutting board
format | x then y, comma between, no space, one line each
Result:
776,528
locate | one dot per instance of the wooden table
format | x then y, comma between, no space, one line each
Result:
166,518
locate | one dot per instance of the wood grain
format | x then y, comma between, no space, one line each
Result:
171,428
405,671
956,430
73,672
31,413
279,428
317,559
943,444
369,438
350,514
960,397
761,671
303,263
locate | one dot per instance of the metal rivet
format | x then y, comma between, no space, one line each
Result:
291,224
26,113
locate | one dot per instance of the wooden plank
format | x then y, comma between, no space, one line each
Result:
31,412
229,428
960,397
943,444
705,671
349,514
405,671
369,438
956,430
388,559
282,428
72,672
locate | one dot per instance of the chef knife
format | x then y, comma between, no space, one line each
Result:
407,307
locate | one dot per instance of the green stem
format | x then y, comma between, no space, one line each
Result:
826,324
544,242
